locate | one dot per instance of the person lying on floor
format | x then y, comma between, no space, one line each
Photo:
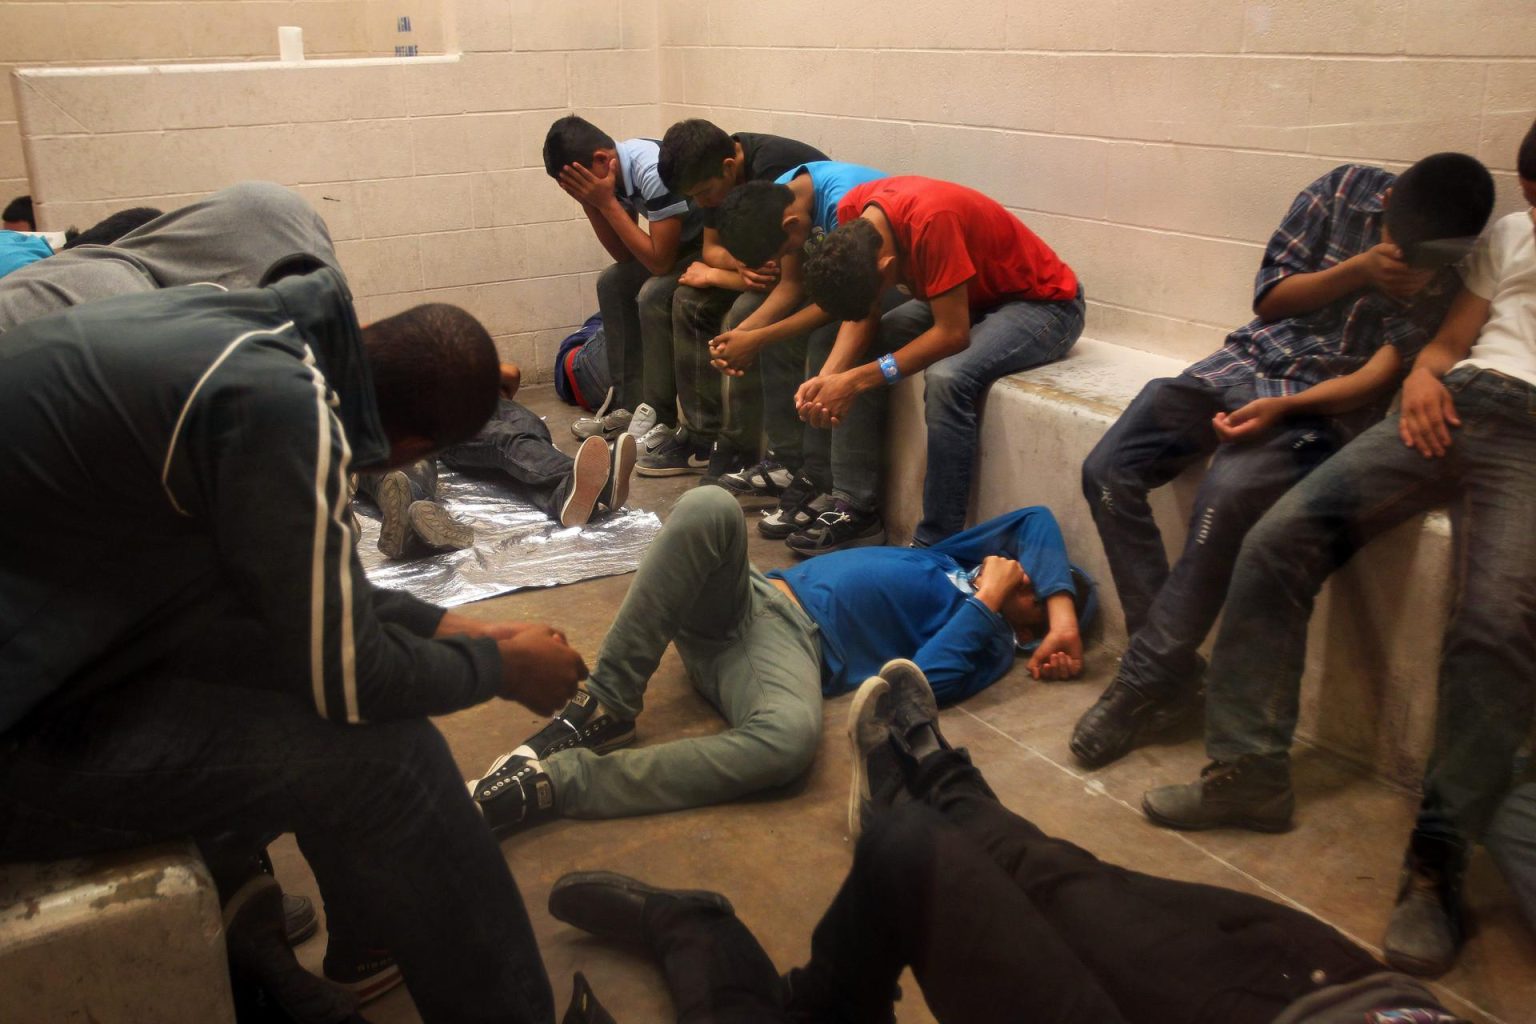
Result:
765,649
514,444
998,921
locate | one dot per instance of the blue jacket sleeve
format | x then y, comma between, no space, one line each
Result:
969,654
1030,536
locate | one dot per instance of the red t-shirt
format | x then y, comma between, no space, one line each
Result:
948,235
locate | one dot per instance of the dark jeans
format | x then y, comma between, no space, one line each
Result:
517,442
1000,922
400,853
698,315
421,475
778,373
637,321
1007,338
1487,688
1167,429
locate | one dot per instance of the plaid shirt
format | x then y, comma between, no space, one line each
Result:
1334,218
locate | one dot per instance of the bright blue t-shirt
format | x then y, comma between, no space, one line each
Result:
18,249
875,604
830,181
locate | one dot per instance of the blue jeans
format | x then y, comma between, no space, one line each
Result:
517,443
399,851
1165,430
1005,339
1487,688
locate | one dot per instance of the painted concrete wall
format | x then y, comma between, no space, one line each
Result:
1154,143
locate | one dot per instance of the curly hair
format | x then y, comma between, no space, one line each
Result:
842,275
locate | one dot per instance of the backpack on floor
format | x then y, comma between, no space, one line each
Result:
581,366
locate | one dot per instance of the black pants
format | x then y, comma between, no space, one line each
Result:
515,442
1000,922
380,812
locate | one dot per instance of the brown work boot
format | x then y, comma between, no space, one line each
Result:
1252,792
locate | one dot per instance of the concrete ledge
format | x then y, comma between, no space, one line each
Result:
117,939
1374,648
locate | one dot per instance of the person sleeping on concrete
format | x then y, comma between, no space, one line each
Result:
764,649
998,921
514,445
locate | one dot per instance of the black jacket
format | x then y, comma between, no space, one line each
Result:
173,484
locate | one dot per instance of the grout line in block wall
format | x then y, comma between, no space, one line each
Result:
1244,55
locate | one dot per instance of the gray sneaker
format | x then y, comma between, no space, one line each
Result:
605,425
434,528
644,421
1253,792
869,721
675,455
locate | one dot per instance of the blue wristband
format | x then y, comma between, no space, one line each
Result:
887,364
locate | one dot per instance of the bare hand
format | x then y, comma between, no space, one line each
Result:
1387,272
824,401
511,379
587,188
734,351
762,278
1427,415
1059,656
539,669
698,275
999,577
1252,421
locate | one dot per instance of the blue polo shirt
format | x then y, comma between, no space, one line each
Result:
875,604
640,188
830,180
18,249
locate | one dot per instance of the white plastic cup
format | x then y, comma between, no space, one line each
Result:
290,43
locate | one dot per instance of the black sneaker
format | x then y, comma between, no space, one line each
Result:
514,794
798,508
723,459
262,963
838,528
581,723
768,478
672,456
616,493
1253,792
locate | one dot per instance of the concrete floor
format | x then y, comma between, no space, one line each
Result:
781,857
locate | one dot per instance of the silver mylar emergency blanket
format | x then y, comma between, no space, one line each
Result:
516,546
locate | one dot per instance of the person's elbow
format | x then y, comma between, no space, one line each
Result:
952,340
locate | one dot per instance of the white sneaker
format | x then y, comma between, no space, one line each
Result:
643,421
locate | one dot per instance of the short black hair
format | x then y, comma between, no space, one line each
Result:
572,140
1447,195
842,274
693,151
111,228
1525,161
20,208
436,374
751,221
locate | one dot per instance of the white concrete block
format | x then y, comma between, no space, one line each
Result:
1111,96
484,25
246,29
1235,101
494,141
1002,90
336,202
557,247
614,77
682,24
1324,26
34,34
471,257
968,25
788,23
379,266
520,349
590,25
528,195
888,146
513,307
1085,25
1176,26
1476,28
1509,108
120,32
640,23
1394,109
1173,338
435,88
440,145
673,78
415,206
331,28
513,81
823,81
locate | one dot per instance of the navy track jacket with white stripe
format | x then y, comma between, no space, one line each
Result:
173,484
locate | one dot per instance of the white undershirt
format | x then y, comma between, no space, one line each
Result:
1503,271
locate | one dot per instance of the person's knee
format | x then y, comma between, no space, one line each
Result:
259,202
900,842
407,765
618,278
790,735
946,388
708,511
656,295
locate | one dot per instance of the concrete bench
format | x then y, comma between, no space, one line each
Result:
116,939
1369,691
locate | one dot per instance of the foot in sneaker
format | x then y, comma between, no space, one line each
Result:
625,453
768,478
365,972
609,424
799,506
589,475
840,527
583,722
724,458
393,496
672,455
869,720
914,709
435,529
514,794
643,421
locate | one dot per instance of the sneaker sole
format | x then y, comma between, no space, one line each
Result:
589,474
438,529
373,987
645,470
1252,824
625,454
858,788
394,501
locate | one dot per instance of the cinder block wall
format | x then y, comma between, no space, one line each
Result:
72,34
428,170
1154,143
